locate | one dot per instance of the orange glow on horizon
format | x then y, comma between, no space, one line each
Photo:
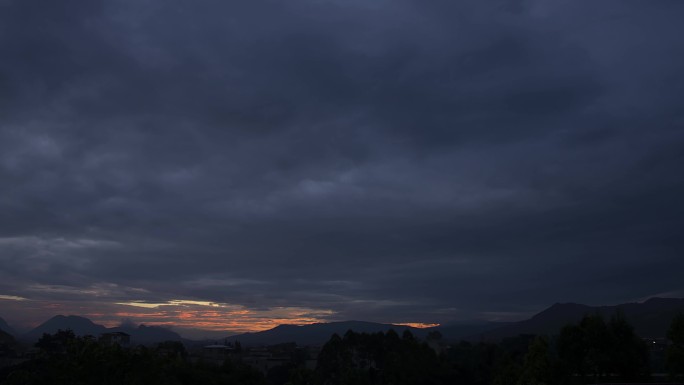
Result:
186,314
211,316
418,325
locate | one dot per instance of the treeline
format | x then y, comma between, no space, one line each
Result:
381,358
591,351
65,359
387,358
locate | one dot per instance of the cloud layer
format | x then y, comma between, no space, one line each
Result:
396,161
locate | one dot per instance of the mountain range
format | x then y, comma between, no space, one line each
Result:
312,334
83,326
319,333
650,319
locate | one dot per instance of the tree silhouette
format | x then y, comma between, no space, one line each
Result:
67,360
628,354
570,345
56,343
599,349
674,358
537,367
380,358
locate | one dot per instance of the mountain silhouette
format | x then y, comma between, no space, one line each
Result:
83,326
79,325
6,328
147,334
650,319
458,331
314,334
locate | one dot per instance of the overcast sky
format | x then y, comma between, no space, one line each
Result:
238,164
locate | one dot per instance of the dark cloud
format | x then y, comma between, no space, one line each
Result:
392,161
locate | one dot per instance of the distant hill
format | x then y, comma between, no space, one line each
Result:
6,328
459,331
6,340
319,333
650,319
314,334
148,334
83,326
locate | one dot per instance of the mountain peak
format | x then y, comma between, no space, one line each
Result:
71,321
663,300
60,317
311,334
141,334
6,328
649,319
79,325
561,310
144,334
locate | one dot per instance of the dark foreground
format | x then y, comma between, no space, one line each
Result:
591,352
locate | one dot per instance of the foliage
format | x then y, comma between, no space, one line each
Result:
596,349
675,352
380,358
589,351
70,360
628,354
537,369
56,343
507,371
474,363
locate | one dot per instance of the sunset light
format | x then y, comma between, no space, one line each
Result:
334,192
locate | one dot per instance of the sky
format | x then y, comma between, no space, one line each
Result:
234,165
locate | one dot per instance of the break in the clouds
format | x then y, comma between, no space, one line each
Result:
293,161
